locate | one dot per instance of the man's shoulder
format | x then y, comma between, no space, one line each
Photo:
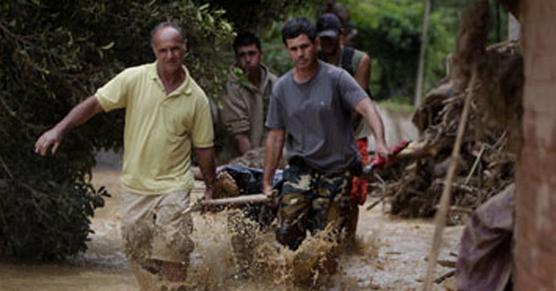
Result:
284,80
140,69
135,73
358,57
196,89
332,71
269,74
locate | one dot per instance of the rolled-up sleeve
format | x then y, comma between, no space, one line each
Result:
352,93
202,133
235,115
114,94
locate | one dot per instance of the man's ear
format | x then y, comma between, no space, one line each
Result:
317,42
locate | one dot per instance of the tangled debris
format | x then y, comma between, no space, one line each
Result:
494,79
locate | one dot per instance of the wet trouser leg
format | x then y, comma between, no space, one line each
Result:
311,201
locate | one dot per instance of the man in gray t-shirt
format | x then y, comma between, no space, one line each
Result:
310,110
316,116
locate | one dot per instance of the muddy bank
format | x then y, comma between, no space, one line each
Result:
390,256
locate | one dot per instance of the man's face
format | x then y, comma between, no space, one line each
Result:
169,49
302,51
248,57
329,45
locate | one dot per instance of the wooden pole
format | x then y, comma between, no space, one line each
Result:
441,214
244,199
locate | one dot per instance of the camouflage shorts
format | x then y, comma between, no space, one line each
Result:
311,200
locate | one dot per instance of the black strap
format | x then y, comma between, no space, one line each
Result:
347,60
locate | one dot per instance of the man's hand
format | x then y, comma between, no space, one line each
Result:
77,116
51,138
267,190
208,193
382,150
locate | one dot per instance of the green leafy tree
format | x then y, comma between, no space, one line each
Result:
390,30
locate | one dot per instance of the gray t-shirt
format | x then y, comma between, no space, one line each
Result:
316,116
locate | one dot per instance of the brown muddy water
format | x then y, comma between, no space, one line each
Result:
390,255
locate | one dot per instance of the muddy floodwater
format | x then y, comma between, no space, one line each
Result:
390,255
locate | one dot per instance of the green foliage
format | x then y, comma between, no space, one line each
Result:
53,54
254,15
390,31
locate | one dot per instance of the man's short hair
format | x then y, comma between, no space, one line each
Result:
298,26
245,39
329,25
165,24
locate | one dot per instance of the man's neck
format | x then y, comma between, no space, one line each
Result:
333,58
254,77
171,80
302,75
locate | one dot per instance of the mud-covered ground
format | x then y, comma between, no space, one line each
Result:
390,255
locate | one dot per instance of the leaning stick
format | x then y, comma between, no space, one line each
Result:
440,217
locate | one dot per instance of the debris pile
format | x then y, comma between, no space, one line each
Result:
493,78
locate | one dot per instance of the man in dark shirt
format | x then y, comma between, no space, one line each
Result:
312,105
357,64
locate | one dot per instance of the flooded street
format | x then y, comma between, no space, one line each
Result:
390,255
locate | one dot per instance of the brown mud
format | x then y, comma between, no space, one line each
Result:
389,255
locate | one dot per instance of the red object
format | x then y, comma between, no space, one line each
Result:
359,185
378,162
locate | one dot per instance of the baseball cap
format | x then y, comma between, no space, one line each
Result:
329,25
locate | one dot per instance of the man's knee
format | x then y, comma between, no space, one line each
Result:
290,235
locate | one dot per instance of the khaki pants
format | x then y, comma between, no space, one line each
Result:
154,228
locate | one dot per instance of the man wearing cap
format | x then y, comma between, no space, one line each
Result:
310,111
357,64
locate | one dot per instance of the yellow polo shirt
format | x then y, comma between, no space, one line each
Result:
160,129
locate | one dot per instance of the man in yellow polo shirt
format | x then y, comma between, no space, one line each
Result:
167,115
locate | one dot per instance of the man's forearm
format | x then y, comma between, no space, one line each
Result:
79,115
273,153
243,143
51,139
369,112
205,159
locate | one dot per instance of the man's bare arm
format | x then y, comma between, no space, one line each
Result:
205,159
367,109
273,153
361,76
363,72
242,142
76,117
